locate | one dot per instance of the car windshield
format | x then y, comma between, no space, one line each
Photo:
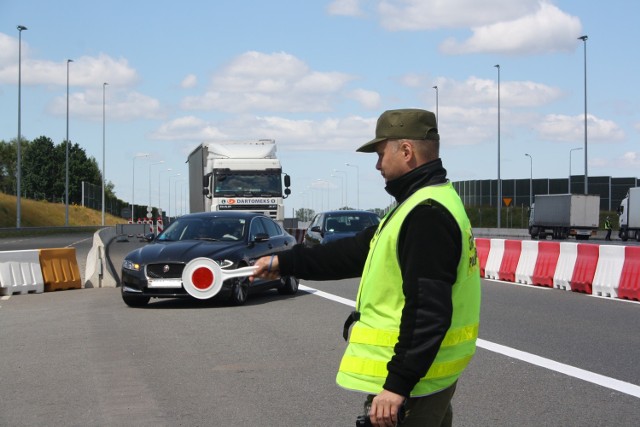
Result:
350,223
210,229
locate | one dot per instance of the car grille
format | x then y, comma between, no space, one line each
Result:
165,271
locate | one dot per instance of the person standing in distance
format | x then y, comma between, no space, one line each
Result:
607,226
417,312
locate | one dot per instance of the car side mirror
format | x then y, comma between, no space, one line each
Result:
261,237
149,237
315,229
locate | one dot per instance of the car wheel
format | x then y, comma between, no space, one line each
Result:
135,300
289,285
239,291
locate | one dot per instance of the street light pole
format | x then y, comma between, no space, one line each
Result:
66,181
104,85
357,182
19,148
530,180
169,204
133,184
152,164
437,115
160,188
586,175
571,152
499,205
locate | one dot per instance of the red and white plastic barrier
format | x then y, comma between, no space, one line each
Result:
605,270
159,225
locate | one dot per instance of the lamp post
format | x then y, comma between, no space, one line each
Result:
160,187
586,175
66,179
19,148
571,152
326,187
152,164
499,205
357,183
530,180
436,88
104,85
133,184
341,188
346,187
175,192
169,207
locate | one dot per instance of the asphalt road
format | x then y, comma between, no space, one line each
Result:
545,358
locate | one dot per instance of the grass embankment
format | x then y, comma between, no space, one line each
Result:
46,214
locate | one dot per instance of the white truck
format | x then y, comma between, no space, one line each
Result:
237,175
564,215
629,215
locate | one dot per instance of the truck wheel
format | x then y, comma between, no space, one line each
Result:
542,235
623,235
637,235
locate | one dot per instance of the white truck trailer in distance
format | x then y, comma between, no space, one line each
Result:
564,215
238,175
629,215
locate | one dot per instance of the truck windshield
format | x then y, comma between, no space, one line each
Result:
248,183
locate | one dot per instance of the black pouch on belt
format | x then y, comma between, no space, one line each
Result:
353,317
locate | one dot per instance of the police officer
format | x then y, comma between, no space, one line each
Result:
416,321
607,226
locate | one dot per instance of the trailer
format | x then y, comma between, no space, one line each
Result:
564,215
629,215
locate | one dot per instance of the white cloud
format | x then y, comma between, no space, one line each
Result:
345,8
482,92
367,98
120,105
398,15
631,159
557,127
498,26
86,71
187,128
279,82
548,30
189,82
293,135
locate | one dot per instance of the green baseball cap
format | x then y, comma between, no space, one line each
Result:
408,123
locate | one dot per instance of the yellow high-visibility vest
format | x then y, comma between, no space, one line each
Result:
380,302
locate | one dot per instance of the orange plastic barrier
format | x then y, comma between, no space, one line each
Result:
483,246
548,254
629,286
512,250
60,269
585,268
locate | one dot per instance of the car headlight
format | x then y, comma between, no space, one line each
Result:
130,265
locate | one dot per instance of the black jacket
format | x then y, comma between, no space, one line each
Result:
429,249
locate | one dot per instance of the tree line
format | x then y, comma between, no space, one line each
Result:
43,172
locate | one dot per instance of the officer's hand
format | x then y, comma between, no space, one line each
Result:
267,267
385,408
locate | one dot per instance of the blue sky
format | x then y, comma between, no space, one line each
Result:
315,76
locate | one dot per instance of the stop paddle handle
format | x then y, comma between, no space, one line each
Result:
202,278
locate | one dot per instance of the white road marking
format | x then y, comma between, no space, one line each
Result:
572,371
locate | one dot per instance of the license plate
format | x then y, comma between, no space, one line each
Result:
164,283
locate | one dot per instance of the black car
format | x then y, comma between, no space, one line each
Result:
333,225
230,239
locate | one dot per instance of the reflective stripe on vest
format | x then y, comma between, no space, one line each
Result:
381,300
